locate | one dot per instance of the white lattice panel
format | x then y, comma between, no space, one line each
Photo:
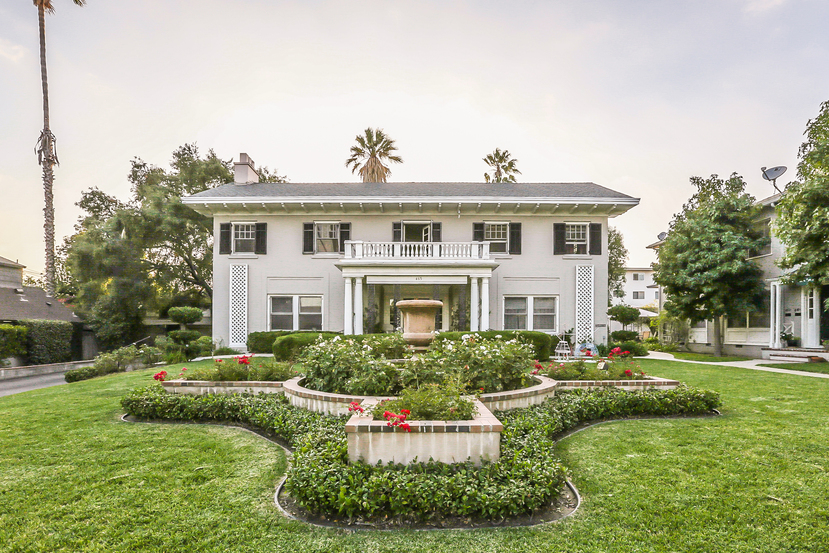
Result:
584,303
238,305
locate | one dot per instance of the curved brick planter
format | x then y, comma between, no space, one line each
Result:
201,387
627,385
514,399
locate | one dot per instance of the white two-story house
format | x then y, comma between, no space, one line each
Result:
339,256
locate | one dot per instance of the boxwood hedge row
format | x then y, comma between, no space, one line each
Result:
527,477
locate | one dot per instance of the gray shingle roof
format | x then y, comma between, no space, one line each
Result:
36,306
9,263
414,190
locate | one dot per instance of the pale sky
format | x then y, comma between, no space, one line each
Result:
637,96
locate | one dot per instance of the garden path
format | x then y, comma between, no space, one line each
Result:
752,364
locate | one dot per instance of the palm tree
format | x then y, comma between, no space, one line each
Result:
503,168
368,155
46,153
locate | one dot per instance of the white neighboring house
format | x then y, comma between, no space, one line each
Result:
338,256
792,309
640,291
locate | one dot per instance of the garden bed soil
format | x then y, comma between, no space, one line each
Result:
562,506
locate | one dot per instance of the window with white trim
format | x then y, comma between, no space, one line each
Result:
327,237
639,295
497,234
638,276
244,237
759,318
576,237
295,312
531,313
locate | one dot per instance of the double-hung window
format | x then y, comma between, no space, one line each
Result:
497,234
244,237
295,312
531,313
327,237
639,295
575,237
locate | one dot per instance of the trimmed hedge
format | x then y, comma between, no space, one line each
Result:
543,344
262,342
12,340
623,336
48,341
185,315
636,348
290,346
526,478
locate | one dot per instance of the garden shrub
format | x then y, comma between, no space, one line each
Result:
243,368
82,373
118,360
224,350
48,341
636,348
262,342
619,369
430,402
526,478
347,366
543,344
389,346
185,315
623,335
12,340
290,346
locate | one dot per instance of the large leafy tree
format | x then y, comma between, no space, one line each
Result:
368,157
802,222
129,258
617,256
503,167
46,153
703,264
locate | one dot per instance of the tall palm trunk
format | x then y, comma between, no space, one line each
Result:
47,159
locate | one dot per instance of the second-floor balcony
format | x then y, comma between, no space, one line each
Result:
394,251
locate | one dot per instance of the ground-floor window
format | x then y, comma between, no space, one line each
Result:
531,313
295,312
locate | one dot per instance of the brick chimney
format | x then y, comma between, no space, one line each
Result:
244,171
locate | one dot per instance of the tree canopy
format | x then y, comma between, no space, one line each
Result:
502,166
703,264
129,258
617,256
368,156
802,222
623,314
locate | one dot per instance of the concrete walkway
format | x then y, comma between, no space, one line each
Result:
752,364
28,383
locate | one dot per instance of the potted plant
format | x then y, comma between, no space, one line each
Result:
790,340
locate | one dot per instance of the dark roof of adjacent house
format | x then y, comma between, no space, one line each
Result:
21,304
413,190
9,263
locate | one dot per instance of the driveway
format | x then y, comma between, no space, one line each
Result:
26,383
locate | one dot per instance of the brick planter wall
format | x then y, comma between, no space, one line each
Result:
202,387
371,441
627,385
504,401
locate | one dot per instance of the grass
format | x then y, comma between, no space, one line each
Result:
706,357
75,478
822,368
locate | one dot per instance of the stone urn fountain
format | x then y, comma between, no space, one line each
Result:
419,321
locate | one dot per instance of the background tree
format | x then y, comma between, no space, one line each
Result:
46,153
802,222
503,167
623,314
150,253
617,257
703,265
373,149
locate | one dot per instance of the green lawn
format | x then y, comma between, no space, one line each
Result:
706,357
822,368
75,478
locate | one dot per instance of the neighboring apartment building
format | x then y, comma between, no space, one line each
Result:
791,309
338,256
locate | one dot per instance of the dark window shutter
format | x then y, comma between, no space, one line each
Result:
595,239
559,239
307,237
397,232
345,234
477,232
224,238
515,238
436,232
261,247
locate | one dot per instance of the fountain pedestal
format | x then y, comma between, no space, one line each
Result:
419,321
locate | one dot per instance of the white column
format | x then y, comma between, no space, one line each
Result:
485,303
812,314
775,315
348,315
358,305
804,319
474,299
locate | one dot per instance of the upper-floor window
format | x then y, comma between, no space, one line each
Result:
765,248
576,237
325,237
638,276
243,237
497,234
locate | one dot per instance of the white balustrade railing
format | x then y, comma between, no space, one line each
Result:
358,249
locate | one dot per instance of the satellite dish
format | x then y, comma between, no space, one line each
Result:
662,235
773,174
